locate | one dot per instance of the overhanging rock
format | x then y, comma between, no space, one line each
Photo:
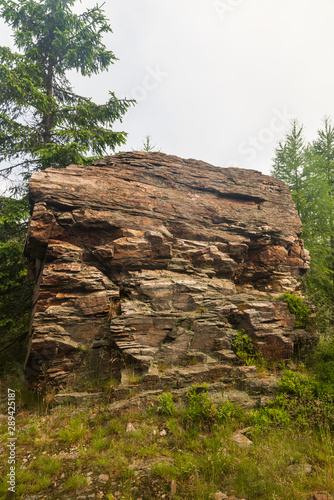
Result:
153,260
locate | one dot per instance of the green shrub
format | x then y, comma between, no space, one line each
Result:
267,417
297,306
299,400
200,408
297,384
229,411
244,348
323,365
316,412
166,404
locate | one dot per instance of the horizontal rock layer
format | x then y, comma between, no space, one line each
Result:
153,260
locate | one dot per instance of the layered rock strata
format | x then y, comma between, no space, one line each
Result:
154,261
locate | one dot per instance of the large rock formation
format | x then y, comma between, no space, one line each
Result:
152,260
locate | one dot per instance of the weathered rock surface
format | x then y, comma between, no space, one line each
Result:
157,261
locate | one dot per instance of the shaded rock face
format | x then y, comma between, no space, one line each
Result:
153,260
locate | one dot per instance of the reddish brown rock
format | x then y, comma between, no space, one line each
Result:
149,257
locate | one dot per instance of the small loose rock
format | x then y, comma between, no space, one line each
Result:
103,478
130,427
220,496
241,440
299,469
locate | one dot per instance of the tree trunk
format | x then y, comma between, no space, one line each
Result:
48,116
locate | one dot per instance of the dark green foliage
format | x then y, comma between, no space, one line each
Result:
15,289
297,307
308,169
243,346
289,160
43,122
323,365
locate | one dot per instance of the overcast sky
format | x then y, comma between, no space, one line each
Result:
217,80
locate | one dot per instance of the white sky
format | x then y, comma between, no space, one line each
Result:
217,80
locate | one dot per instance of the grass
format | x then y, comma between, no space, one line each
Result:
46,465
62,452
75,482
74,431
197,453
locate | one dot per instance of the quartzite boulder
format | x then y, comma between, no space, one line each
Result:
153,261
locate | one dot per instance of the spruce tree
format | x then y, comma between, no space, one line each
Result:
319,217
308,169
43,122
288,162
